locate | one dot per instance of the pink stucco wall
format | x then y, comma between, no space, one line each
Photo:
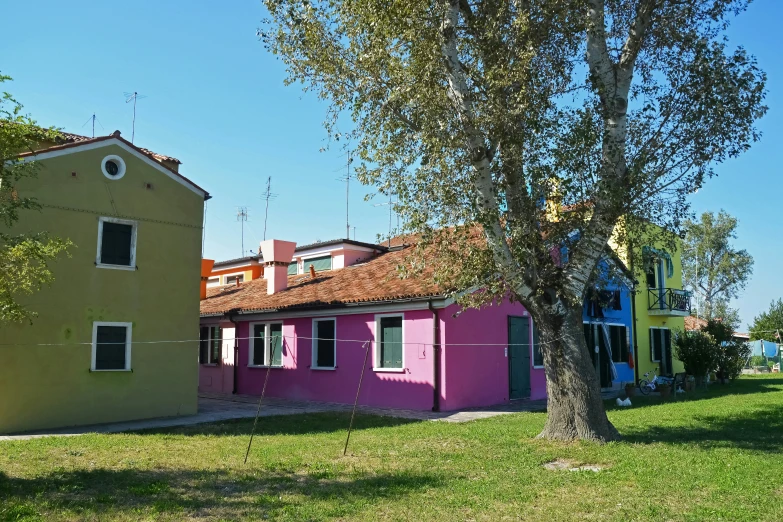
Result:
477,375
411,389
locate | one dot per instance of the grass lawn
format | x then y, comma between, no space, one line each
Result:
715,456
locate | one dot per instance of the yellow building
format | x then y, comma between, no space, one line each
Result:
661,304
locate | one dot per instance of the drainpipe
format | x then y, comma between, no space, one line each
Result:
435,357
633,319
231,315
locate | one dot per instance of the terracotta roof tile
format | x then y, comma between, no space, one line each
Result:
694,323
67,137
372,281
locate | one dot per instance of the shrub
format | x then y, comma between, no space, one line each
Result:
697,351
756,361
731,354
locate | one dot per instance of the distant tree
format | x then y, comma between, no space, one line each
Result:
24,257
726,314
504,127
711,266
767,324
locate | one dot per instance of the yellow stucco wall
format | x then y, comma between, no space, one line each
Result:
644,321
52,386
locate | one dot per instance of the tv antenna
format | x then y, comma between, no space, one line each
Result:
134,97
93,119
347,178
268,194
391,209
242,217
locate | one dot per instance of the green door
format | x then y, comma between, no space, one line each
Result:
518,357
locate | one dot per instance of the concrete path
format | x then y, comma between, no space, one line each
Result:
217,407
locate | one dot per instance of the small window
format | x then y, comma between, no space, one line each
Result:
209,344
389,348
111,346
293,268
538,357
234,279
319,263
213,281
324,345
116,243
113,167
266,344
660,343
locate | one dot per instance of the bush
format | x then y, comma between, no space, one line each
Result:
698,353
756,361
732,354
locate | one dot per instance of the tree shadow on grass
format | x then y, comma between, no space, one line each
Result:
300,424
213,494
758,429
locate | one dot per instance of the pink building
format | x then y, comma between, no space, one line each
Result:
315,328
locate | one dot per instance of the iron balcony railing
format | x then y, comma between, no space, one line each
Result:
673,299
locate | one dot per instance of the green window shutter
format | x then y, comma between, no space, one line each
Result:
203,345
116,244
619,338
292,268
655,344
589,340
538,357
276,344
110,347
391,342
319,263
258,345
324,356
216,339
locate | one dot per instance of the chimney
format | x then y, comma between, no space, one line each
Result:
312,272
277,256
206,269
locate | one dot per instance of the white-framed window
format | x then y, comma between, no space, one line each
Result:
210,339
111,347
660,343
116,243
213,281
389,346
113,167
234,278
324,344
266,345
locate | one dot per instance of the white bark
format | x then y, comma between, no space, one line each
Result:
459,93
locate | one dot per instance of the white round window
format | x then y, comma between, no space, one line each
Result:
113,167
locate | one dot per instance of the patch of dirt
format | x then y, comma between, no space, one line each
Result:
570,465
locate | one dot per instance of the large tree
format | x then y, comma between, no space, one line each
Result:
24,256
510,127
711,266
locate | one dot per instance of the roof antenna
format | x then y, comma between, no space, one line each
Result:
133,96
268,194
93,118
391,209
347,178
242,217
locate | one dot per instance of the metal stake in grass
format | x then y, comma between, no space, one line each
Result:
253,431
356,401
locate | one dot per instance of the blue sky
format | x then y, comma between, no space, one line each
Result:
216,100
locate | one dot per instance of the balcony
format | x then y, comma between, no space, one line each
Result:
672,302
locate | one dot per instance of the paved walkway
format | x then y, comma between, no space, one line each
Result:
217,407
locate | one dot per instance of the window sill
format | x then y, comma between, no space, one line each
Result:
264,366
93,370
538,367
209,364
116,267
389,370
324,368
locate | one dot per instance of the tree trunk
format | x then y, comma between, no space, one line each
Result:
575,409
